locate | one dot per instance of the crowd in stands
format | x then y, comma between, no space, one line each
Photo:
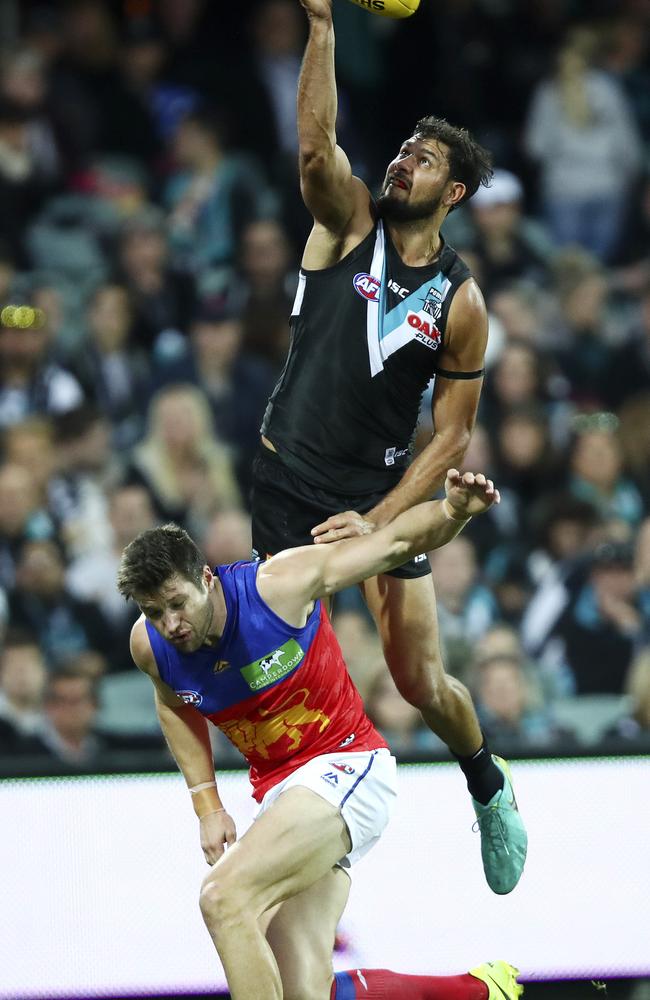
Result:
150,215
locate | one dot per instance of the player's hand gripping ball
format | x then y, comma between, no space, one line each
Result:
388,8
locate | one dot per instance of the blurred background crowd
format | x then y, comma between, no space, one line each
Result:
150,207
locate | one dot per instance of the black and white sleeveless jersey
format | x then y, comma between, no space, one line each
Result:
366,334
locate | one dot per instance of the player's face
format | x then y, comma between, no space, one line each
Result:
181,611
416,181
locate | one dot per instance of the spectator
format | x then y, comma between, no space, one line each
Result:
566,531
510,246
634,435
22,190
113,371
181,461
500,525
162,298
109,113
526,462
69,734
628,371
211,196
360,644
634,727
506,708
7,270
602,622
22,682
22,518
266,286
517,379
596,469
236,386
31,382
278,43
42,605
30,445
520,310
23,80
91,577
502,641
642,572
85,468
585,327
626,60
227,538
582,135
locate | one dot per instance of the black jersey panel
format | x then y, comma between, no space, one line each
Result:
365,337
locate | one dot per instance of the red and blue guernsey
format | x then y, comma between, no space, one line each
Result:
281,695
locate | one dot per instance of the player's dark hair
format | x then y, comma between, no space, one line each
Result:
469,162
154,556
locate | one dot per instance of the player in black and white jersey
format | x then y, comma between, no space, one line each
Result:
383,305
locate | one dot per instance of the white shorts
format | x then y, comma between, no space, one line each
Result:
362,786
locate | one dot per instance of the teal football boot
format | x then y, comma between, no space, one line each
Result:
504,840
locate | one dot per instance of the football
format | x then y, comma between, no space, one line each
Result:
388,8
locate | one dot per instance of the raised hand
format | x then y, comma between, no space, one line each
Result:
318,8
469,494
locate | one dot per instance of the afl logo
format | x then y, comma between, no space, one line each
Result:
190,697
367,286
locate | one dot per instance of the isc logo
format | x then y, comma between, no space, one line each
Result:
367,286
371,4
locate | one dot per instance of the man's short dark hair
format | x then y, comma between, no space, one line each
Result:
154,556
70,674
469,162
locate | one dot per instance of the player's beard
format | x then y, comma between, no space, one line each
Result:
393,210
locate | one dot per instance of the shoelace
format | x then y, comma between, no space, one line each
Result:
493,827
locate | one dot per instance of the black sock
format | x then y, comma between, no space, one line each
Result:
484,778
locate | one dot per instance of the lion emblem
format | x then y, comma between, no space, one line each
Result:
288,719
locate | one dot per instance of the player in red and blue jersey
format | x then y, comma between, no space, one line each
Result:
250,646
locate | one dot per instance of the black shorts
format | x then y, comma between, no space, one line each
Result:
285,509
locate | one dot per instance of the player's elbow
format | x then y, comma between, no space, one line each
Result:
454,441
400,551
314,160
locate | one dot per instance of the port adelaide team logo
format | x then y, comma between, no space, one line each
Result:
367,286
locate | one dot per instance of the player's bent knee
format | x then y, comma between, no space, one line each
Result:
423,688
220,901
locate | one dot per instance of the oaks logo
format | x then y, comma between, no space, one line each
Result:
425,330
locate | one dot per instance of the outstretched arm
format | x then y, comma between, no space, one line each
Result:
186,733
329,190
292,580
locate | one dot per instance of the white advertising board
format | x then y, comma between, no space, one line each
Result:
100,880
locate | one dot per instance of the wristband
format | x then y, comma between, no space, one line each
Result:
447,508
199,788
212,812
205,798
